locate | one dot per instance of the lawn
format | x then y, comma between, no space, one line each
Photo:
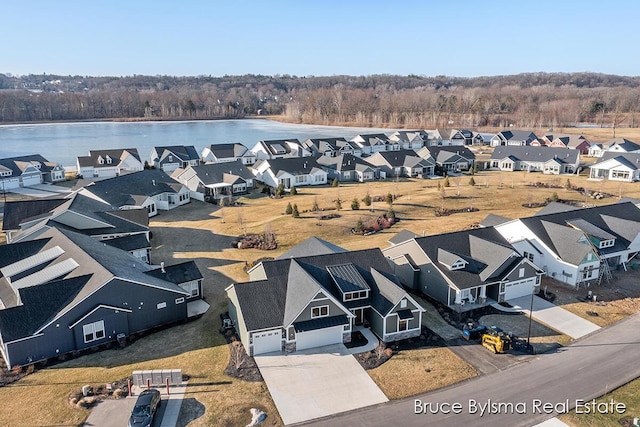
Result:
206,232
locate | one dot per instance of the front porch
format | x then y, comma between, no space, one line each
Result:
471,299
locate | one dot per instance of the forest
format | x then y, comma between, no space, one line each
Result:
530,100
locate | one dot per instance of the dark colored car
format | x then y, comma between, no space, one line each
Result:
145,409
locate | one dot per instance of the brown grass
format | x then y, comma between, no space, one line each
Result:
416,371
608,312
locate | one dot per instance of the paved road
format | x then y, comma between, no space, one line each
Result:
585,369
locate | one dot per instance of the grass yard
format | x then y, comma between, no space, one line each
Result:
411,372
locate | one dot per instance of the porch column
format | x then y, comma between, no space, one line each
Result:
458,300
483,295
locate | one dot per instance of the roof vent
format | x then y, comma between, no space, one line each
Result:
153,181
162,267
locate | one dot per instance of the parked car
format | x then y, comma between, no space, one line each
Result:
145,408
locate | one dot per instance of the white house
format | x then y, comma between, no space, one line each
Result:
535,159
279,149
223,153
617,167
292,172
168,159
109,163
374,142
513,137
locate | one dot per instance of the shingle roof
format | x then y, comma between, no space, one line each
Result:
129,243
624,144
492,220
631,160
215,172
344,162
407,158
402,236
18,164
178,273
293,165
447,151
17,212
536,154
222,151
115,154
183,152
312,246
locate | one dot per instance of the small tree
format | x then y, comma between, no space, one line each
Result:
567,185
355,204
367,200
335,182
472,181
294,212
389,199
289,209
359,226
475,168
280,190
554,197
391,213
315,207
446,182
293,191
338,204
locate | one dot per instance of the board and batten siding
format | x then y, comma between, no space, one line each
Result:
305,314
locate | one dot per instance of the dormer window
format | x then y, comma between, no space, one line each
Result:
109,160
171,158
350,296
458,265
38,165
100,160
606,243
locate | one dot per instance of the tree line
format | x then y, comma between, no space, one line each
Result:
527,100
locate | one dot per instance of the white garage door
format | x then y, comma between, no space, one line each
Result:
319,337
518,289
267,342
30,180
10,183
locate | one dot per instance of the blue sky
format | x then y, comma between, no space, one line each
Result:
305,37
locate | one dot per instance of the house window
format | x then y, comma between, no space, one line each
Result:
192,288
319,178
348,296
521,273
93,331
619,174
528,255
587,274
161,305
321,311
502,288
179,300
403,303
301,178
403,325
171,158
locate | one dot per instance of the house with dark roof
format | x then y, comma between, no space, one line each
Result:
331,147
513,137
572,245
170,158
290,172
125,229
150,189
535,159
25,171
279,149
409,139
622,145
310,247
347,167
452,158
577,142
306,302
615,166
464,270
371,143
215,181
66,292
109,163
223,153
402,163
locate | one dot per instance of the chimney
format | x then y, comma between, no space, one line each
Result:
162,267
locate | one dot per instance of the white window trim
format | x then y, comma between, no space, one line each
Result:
403,303
320,309
161,305
398,325
179,300
93,329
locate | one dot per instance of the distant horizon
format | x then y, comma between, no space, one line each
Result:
201,38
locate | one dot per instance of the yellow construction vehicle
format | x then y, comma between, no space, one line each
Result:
496,340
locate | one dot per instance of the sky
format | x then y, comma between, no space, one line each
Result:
463,38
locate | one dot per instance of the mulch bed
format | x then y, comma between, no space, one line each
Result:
241,365
447,212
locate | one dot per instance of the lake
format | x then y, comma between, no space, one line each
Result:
63,142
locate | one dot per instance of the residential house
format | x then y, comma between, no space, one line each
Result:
25,171
596,150
449,158
65,292
465,269
170,158
374,142
109,163
125,229
576,142
513,137
279,149
409,139
223,153
535,159
331,147
616,166
621,145
573,245
215,181
402,163
311,247
150,189
347,167
291,172
306,302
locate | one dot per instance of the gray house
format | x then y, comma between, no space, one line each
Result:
464,270
331,147
215,181
299,303
173,157
548,160
24,171
402,163
347,167
65,292
450,158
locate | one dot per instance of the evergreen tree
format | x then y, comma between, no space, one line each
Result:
294,212
355,204
280,190
338,205
335,182
289,209
367,200
293,191
446,182
389,199
472,181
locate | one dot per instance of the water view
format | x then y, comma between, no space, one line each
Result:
63,142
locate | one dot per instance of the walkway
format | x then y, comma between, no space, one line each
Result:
553,316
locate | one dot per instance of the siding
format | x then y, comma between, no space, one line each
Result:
334,310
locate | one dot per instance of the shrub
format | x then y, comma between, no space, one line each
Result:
315,207
289,209
472,181
280,190
338,205
554,197
359,226
367,200
446,182
355,204
335,182
293,191
389,198
568,185
295,212
391,213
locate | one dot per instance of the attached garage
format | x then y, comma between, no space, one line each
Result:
267,342
10,183
519,289
319,337
28,181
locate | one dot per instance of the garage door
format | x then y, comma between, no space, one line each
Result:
267,342
518,289
10,183
319,337
28,181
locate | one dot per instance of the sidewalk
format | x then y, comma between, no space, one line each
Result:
172,402
553,316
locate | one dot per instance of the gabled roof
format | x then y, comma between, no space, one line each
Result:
624,145
214,173
492,220
222,151
400,158
17,165
177,273
345,162
321,145
517,135
312,246
444,152
630,160
115,154
129,243
279,147
402,236
293,165
133,188
182,152
536,154
17,212
555,207
370,139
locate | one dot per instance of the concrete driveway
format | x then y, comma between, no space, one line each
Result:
555,317
317,382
